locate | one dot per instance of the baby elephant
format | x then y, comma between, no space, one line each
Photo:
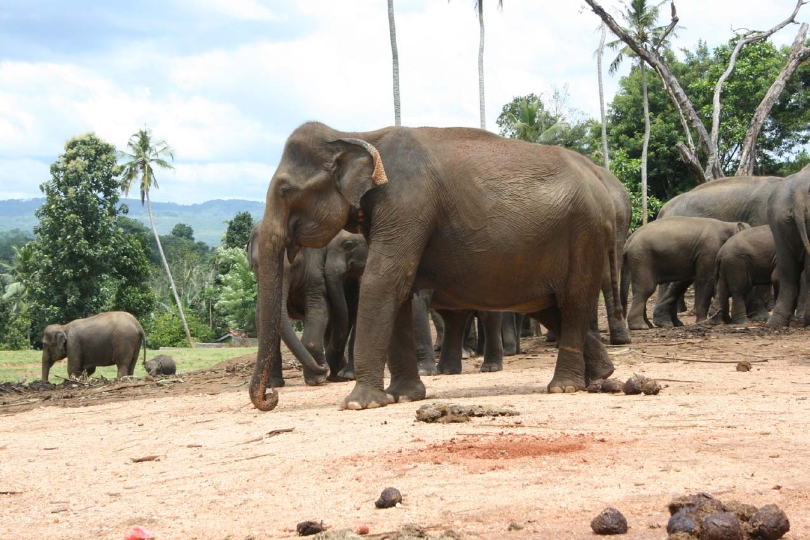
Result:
674,249
748,259
160,365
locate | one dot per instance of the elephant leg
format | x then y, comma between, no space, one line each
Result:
405,382
619,333
425,357
455,322
669,304
438,323
720,303
89,370
481,333
569,371
704,289
315,322
74,365
788,268
519,317
509,334
470,340
739,312
757,302
493,341
643,288
526,327
347,371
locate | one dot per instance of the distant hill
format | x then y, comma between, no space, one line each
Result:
208,219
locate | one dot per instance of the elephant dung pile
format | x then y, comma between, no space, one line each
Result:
444,413
702,517
637,384
406,532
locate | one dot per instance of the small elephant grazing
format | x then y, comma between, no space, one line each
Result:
106,339
160,365
679,250
748,259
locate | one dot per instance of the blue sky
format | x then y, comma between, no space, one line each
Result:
226,81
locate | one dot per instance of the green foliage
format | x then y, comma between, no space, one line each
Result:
11,239
131,290
238,232
14,326
628,171
182,230
529,119
238,291
166,330
76,233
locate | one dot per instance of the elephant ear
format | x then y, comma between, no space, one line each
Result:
61,341
359,168
742,226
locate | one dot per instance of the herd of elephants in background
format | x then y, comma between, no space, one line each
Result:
366,237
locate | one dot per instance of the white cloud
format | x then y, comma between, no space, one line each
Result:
238,9
13,172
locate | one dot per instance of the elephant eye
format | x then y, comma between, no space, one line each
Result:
349,244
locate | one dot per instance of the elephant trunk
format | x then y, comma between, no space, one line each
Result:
291,339
46,364
270,276
335,271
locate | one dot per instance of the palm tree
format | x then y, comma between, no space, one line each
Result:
479,5
640,17
143,153
392,31
599,53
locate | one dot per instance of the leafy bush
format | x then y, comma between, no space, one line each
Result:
628,171
166,330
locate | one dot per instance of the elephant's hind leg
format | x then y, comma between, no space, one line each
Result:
405,382
493,342
454,325
642,290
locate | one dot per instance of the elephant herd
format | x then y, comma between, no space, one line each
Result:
365,233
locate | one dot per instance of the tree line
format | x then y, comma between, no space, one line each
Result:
86,256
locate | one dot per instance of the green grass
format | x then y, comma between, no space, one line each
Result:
17,364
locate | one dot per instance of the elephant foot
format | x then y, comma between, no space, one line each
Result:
366,397
275,382
598,366
337,378
663,322
778,320
314,380
509,352
761,315
347,373
467,353
636,325
620,336
489,367
449,369
551,337
742,320
565,385
427,368
403,391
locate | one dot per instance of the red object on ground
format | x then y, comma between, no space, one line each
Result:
139,533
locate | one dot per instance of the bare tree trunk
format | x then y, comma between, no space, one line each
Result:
599,53
392,30
481,105
798,54
168,272
646,144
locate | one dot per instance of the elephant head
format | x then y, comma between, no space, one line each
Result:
54,347
322,175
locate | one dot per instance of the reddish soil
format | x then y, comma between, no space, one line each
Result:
216,468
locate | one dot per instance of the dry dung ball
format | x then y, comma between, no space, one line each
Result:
721,526
308,528
681,521
650,387
595,387
609,521
611,386
743,511
769,523
745,365
389,498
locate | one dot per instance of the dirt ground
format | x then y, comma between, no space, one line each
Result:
71,459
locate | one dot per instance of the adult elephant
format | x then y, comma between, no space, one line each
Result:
462,208
738,198
787,217
114,338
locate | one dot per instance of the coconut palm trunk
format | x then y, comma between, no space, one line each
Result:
481,104
392,31
646,143
599,54
168,272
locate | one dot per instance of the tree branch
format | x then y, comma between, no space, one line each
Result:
690,158
798,54
750,36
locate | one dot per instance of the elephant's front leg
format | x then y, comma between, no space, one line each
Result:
402,361
315,322
493,342
455,323
381,306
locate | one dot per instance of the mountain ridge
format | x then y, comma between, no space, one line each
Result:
208,219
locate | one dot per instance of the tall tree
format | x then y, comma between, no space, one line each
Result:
144,152
76,233
479,6
599,54
392,31
640,18
238,232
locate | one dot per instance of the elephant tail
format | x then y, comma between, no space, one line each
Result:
800,216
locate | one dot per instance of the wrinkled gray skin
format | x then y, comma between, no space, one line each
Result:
734,199
788,209
676,249
746,260
160,365
440,209
107,339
